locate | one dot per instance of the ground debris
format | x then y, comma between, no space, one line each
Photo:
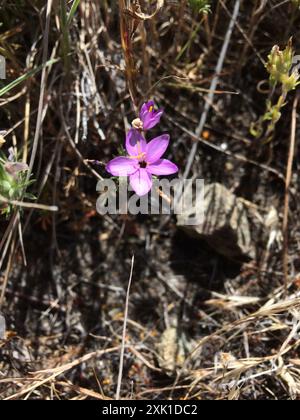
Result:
171,350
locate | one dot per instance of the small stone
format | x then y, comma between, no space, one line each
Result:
225,226
171,350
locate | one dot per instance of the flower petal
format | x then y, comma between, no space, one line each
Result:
157,147
141,182
162,167
149,115
122,166
14,168
135,143
151,121
12,156
146,108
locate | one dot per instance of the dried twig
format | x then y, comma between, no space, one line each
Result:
287,193
124,333
53,373
28,205
42,91
127,28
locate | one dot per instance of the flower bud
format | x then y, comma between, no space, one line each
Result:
138,124
280,67
280,63
290,82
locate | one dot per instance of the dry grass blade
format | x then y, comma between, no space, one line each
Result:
53,373
127,29
42,89
28,205
124,333
289,173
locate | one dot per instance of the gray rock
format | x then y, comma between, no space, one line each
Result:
225,226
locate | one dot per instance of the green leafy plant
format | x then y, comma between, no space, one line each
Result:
283,75
66,18
200,6
13,182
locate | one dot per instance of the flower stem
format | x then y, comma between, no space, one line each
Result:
126,29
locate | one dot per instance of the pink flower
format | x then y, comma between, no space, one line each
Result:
144,161
12,166
149,116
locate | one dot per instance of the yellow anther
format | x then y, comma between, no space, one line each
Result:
139,156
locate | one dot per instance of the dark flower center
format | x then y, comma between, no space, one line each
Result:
143,165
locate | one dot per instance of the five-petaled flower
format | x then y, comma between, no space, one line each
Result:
150,116
144,161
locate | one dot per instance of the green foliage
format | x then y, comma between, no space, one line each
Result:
25,77
65,43
280,66
12,184
296,3
200,6
66,20
72,11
